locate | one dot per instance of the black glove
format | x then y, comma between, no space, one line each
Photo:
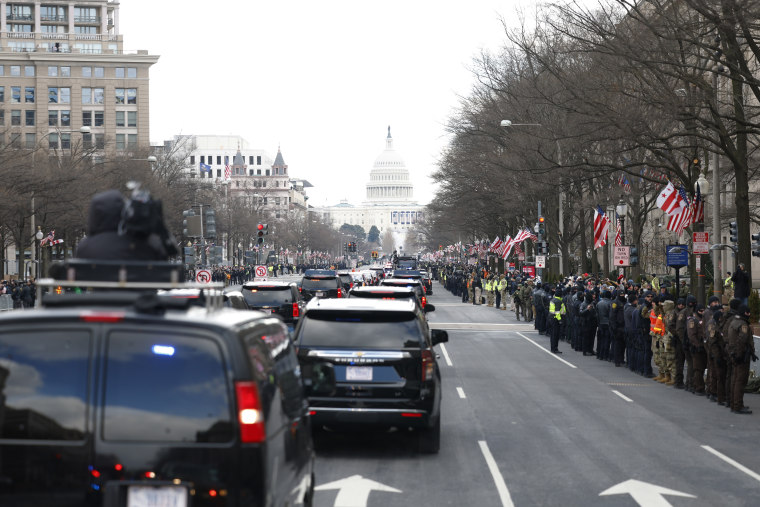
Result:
754,357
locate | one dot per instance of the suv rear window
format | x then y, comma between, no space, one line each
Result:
319,283
267,296
43,381
364,330
165,387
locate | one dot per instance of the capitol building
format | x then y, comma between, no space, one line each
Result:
389,203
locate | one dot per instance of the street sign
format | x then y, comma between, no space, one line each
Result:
701,243
521,257
260,271
677,255
203,276
622,256
540,261
511,266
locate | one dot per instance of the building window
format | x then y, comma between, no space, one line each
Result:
99,118
192,159
87,118
53,13
131,118
65,118
53,141
119,72
258,160
86,15
15,94
100,72
132,141
2,117
59,95
65,141
219,160
86,71
258,172
52,118
66,71
218,173
15,70
100,141
267,172
119,118
120,141
132,72
16,118
31,141
2,93
120,95
29,94
29,70
86,29
52,71
131,95
203,159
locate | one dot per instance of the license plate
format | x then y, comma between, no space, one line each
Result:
159,496
320,294
359,373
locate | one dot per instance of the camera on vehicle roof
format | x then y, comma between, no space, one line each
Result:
142,216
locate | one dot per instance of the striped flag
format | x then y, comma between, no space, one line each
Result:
518,250
49,238
601,226
618,234
683,218
698,215
671,200
624,183
227,171
495,245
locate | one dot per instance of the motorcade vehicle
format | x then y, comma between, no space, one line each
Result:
279,298
427,281
386,372
346,279
379,272
391,293
321,283
413,283
406,262
121,396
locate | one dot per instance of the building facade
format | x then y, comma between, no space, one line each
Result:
63,67
389,202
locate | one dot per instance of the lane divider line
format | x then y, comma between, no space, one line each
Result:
501,486
732,462
626,398
555,356
446,355
461,393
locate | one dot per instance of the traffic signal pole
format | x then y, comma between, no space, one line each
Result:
539,271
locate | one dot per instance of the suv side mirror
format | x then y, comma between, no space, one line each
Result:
439,336
429,308
322,378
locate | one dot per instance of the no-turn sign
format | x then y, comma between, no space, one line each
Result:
203,276
261,271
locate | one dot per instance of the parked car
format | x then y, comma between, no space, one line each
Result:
120,394
385,367
321,283
280,298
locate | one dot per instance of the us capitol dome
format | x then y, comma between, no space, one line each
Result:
389,181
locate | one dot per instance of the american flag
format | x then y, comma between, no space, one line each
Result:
496,244
601,226
698,215
624,183
506,246
684,217
518,250
522,235
226,171
618,233
47,239
532,236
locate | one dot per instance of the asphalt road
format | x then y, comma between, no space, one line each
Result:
524,427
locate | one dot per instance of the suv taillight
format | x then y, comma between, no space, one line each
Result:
296,310
427,365
424,301
340,293
250,415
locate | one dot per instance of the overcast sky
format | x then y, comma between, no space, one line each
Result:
323,80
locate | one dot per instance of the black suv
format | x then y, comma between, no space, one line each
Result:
321,283
390,293
346,279
413,274
385,367
412,283
114,397
281,298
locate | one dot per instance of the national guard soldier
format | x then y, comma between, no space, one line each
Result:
643,346
557,313
680,341
691,305
723,323
490,286
471,288
657,332
517,300
728,286
695,332
502,296
527,299
668,342
741,350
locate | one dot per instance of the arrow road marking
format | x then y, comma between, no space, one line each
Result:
732,462
354,491
644,493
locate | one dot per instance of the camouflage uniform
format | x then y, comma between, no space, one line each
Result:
669,350
470,288
657,332
527,300
517,296
503,284
489,287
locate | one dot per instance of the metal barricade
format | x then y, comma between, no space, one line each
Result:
6,302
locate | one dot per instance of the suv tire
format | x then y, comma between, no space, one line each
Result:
429,439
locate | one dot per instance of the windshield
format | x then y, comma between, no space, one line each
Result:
267,296
378,330
319,283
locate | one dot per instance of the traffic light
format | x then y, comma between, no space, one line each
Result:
260,233
266,229
633,258
756,245
191,224
543,247
733,232
541,227
210,231
695,162
190,255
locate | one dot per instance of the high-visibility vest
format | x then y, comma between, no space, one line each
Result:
656,325
554,310
729,284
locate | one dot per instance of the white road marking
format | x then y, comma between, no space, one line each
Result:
555,356
477,326
626,398
501,486
461,393
446,355
644,493
732,462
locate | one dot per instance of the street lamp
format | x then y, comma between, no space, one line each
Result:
39,235
622,211
704,187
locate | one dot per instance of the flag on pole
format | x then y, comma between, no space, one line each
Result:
698,215
496,244
672,200
507,248
682,218
624,183
618,234
47,239
227,171
601,226
205,168
531,236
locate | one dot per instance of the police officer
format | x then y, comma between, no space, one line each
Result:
557,313
741,350
695,332
588,320
680,340
716,351
527,299
603,342
538,301
631,329
617,328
